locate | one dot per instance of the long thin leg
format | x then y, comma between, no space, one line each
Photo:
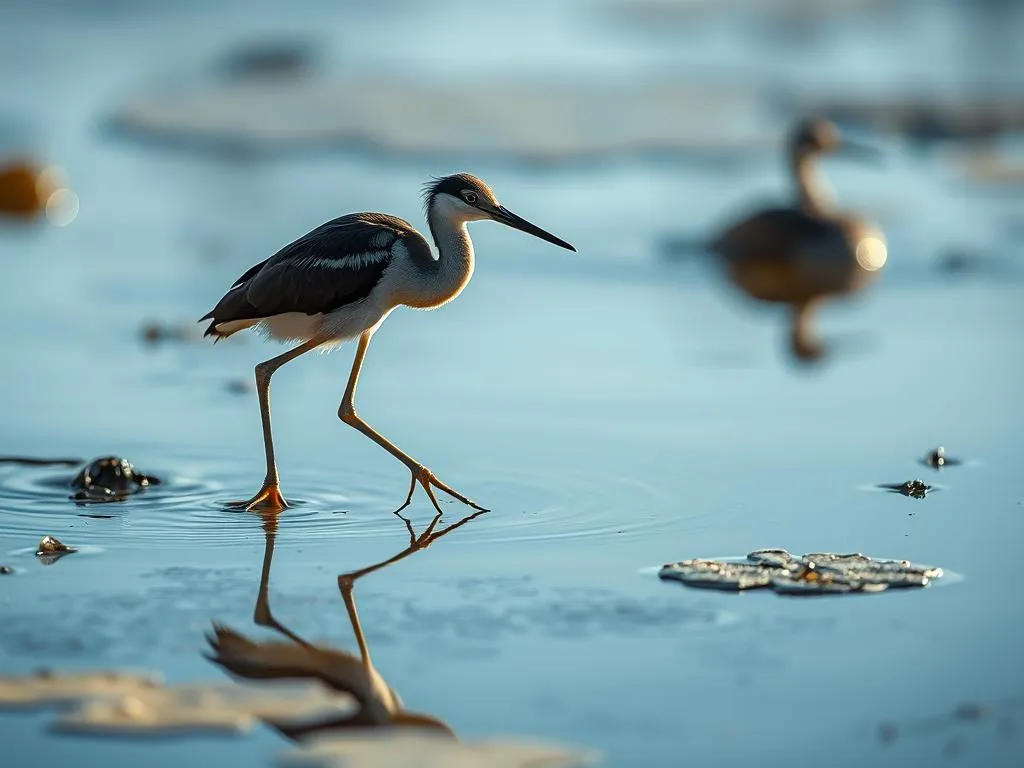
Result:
420,474
269,497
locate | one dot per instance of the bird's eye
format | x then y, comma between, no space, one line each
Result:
469,197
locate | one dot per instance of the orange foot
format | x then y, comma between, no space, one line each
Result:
269,499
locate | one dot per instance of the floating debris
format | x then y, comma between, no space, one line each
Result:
426,751
51,549
914,488
714,574
937,459
47,688
122,702
165,710
818,573
109,479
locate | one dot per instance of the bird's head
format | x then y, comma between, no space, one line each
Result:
462,197
817,135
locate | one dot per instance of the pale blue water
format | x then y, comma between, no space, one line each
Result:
615,408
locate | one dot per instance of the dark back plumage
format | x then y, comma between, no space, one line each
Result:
338,263
789,255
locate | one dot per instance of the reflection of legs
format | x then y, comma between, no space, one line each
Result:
346,583
420,474
262,615
803,340
269,496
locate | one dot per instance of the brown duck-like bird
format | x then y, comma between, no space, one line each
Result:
802,254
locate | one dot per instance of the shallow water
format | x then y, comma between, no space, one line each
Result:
616,409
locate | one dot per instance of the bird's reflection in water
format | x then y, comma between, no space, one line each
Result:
378,705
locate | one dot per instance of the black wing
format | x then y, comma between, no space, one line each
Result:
338,263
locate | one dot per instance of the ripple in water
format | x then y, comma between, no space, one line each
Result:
190,510
535,508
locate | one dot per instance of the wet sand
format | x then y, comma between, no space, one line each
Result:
616,409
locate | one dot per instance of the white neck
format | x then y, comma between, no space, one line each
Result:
455,262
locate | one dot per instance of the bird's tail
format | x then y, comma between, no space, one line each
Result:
221,329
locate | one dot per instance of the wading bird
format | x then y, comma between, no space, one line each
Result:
341,280
802,254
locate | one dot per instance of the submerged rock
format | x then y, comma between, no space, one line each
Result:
109,479
817,573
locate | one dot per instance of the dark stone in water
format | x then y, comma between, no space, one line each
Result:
937,459
52,549
109,479
50,544
818,573
914,488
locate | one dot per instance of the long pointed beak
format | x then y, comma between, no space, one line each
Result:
505,216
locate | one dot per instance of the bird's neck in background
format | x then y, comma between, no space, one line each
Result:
455,262
812,193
